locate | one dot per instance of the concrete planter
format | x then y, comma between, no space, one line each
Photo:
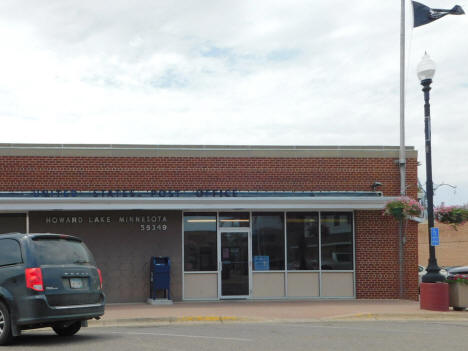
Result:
458,296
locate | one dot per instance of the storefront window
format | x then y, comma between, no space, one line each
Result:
268,241
234,219
303,241
337,240
200,242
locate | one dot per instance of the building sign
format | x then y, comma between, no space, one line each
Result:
225,193
119,193
262,263
144,223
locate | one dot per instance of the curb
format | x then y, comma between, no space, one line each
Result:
227,319
168,320
400,316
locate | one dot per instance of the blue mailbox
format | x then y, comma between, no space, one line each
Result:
160,270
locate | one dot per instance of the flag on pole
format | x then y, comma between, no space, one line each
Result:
424,14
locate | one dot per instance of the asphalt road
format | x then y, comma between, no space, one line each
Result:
349,336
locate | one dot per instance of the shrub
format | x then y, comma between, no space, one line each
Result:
453,215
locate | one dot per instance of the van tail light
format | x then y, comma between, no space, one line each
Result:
34,279
100,277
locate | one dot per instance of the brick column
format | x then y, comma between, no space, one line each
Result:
377,262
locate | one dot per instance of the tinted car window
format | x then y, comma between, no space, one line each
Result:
61,251
10,252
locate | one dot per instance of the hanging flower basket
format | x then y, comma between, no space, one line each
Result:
403,208
452,215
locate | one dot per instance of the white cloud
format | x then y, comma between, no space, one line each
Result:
230,72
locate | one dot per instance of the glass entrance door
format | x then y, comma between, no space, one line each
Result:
235,264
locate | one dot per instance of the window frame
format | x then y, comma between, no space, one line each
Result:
216,213
286,271
312,213
353,241
285,264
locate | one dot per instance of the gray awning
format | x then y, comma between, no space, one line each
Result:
181,203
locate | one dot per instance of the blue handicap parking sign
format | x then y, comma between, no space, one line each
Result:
435,240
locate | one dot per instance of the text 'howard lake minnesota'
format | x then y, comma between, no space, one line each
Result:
105,219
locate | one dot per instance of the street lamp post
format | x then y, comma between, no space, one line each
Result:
426,71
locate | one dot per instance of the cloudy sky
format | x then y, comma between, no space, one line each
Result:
253,72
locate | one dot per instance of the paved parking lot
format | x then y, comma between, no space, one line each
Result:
350,336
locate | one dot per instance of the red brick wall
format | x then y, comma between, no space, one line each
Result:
377,257
376,236
191,173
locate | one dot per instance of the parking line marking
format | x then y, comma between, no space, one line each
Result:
183,336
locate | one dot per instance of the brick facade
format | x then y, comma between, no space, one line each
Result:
189,173
377,264
377,257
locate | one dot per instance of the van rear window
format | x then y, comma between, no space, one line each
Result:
54,251
10,252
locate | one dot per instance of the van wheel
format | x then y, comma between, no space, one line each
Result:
67,329
5,325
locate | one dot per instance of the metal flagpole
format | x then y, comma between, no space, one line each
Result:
402,160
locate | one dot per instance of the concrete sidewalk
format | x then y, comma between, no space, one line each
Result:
225,311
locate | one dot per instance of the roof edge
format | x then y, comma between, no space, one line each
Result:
126,150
